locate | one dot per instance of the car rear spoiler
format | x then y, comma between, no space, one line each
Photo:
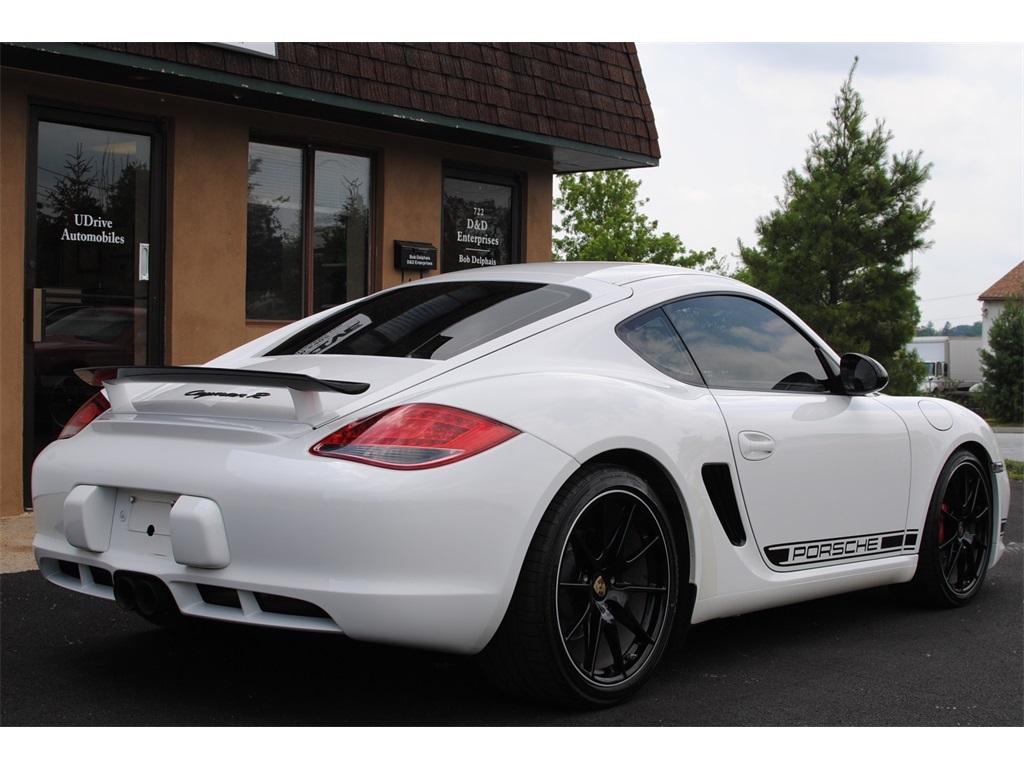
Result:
305,390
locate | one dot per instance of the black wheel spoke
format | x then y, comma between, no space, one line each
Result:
593,643
645,588
624,617
575,628
618,539
610,632
643,550
955,551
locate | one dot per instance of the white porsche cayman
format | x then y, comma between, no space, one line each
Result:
556,466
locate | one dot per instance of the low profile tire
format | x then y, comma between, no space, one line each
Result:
957,538
596,598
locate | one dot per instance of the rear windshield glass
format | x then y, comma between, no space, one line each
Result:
432,320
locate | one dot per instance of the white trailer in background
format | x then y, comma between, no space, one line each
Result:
952,361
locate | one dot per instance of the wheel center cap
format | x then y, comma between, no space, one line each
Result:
600,588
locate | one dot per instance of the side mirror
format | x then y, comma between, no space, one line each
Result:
861,375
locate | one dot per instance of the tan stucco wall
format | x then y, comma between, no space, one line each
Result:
206,233
207,159
13,127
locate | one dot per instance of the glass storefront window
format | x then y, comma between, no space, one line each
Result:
94,267
273,279
302,258
481,221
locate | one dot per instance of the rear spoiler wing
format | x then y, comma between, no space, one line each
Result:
305,390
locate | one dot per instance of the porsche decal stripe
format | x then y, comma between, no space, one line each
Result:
825,551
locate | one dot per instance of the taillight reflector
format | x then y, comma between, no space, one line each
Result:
414,437
85,415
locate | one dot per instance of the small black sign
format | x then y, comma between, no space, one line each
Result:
419,256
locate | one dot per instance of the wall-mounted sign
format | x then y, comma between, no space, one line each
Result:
479,223
420,256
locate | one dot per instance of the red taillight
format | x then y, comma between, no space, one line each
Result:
84,416
414,437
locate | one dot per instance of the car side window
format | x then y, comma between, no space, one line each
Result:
739,343
652,336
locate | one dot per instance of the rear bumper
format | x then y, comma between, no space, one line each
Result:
272,536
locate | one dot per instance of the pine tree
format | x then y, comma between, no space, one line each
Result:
835,249
1002,365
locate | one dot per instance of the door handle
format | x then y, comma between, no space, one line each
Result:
143,261
756,446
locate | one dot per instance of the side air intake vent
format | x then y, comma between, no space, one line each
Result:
718,481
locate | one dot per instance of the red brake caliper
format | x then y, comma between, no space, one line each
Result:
942,524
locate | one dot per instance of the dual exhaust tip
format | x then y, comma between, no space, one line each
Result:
144,595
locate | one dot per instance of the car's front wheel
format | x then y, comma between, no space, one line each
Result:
957,536
596,598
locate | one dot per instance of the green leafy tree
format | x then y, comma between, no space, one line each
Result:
1002,365
601,221
834,251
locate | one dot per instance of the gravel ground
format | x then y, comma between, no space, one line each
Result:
16,533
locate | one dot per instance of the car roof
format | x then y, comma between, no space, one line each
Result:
611,272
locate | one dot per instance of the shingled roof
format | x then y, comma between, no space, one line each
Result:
1009,285
584,105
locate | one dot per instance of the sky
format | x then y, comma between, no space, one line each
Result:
732,119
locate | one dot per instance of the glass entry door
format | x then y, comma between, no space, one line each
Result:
94,266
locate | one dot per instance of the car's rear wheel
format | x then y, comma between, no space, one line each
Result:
957,536
596,598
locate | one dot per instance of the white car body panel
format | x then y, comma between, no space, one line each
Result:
394,562
431,557
799,434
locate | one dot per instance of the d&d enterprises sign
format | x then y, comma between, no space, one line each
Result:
478,224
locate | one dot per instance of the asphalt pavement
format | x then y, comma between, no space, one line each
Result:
862,659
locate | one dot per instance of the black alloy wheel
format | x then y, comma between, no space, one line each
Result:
613,588
596,599
957,538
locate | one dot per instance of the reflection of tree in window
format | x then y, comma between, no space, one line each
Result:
108,185
340,247
273,270
72,191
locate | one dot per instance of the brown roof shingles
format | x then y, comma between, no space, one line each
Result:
1009,285
592,93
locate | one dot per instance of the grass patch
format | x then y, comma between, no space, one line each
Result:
1015,469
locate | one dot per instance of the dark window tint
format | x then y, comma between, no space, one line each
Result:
652,336
740,343
432,320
